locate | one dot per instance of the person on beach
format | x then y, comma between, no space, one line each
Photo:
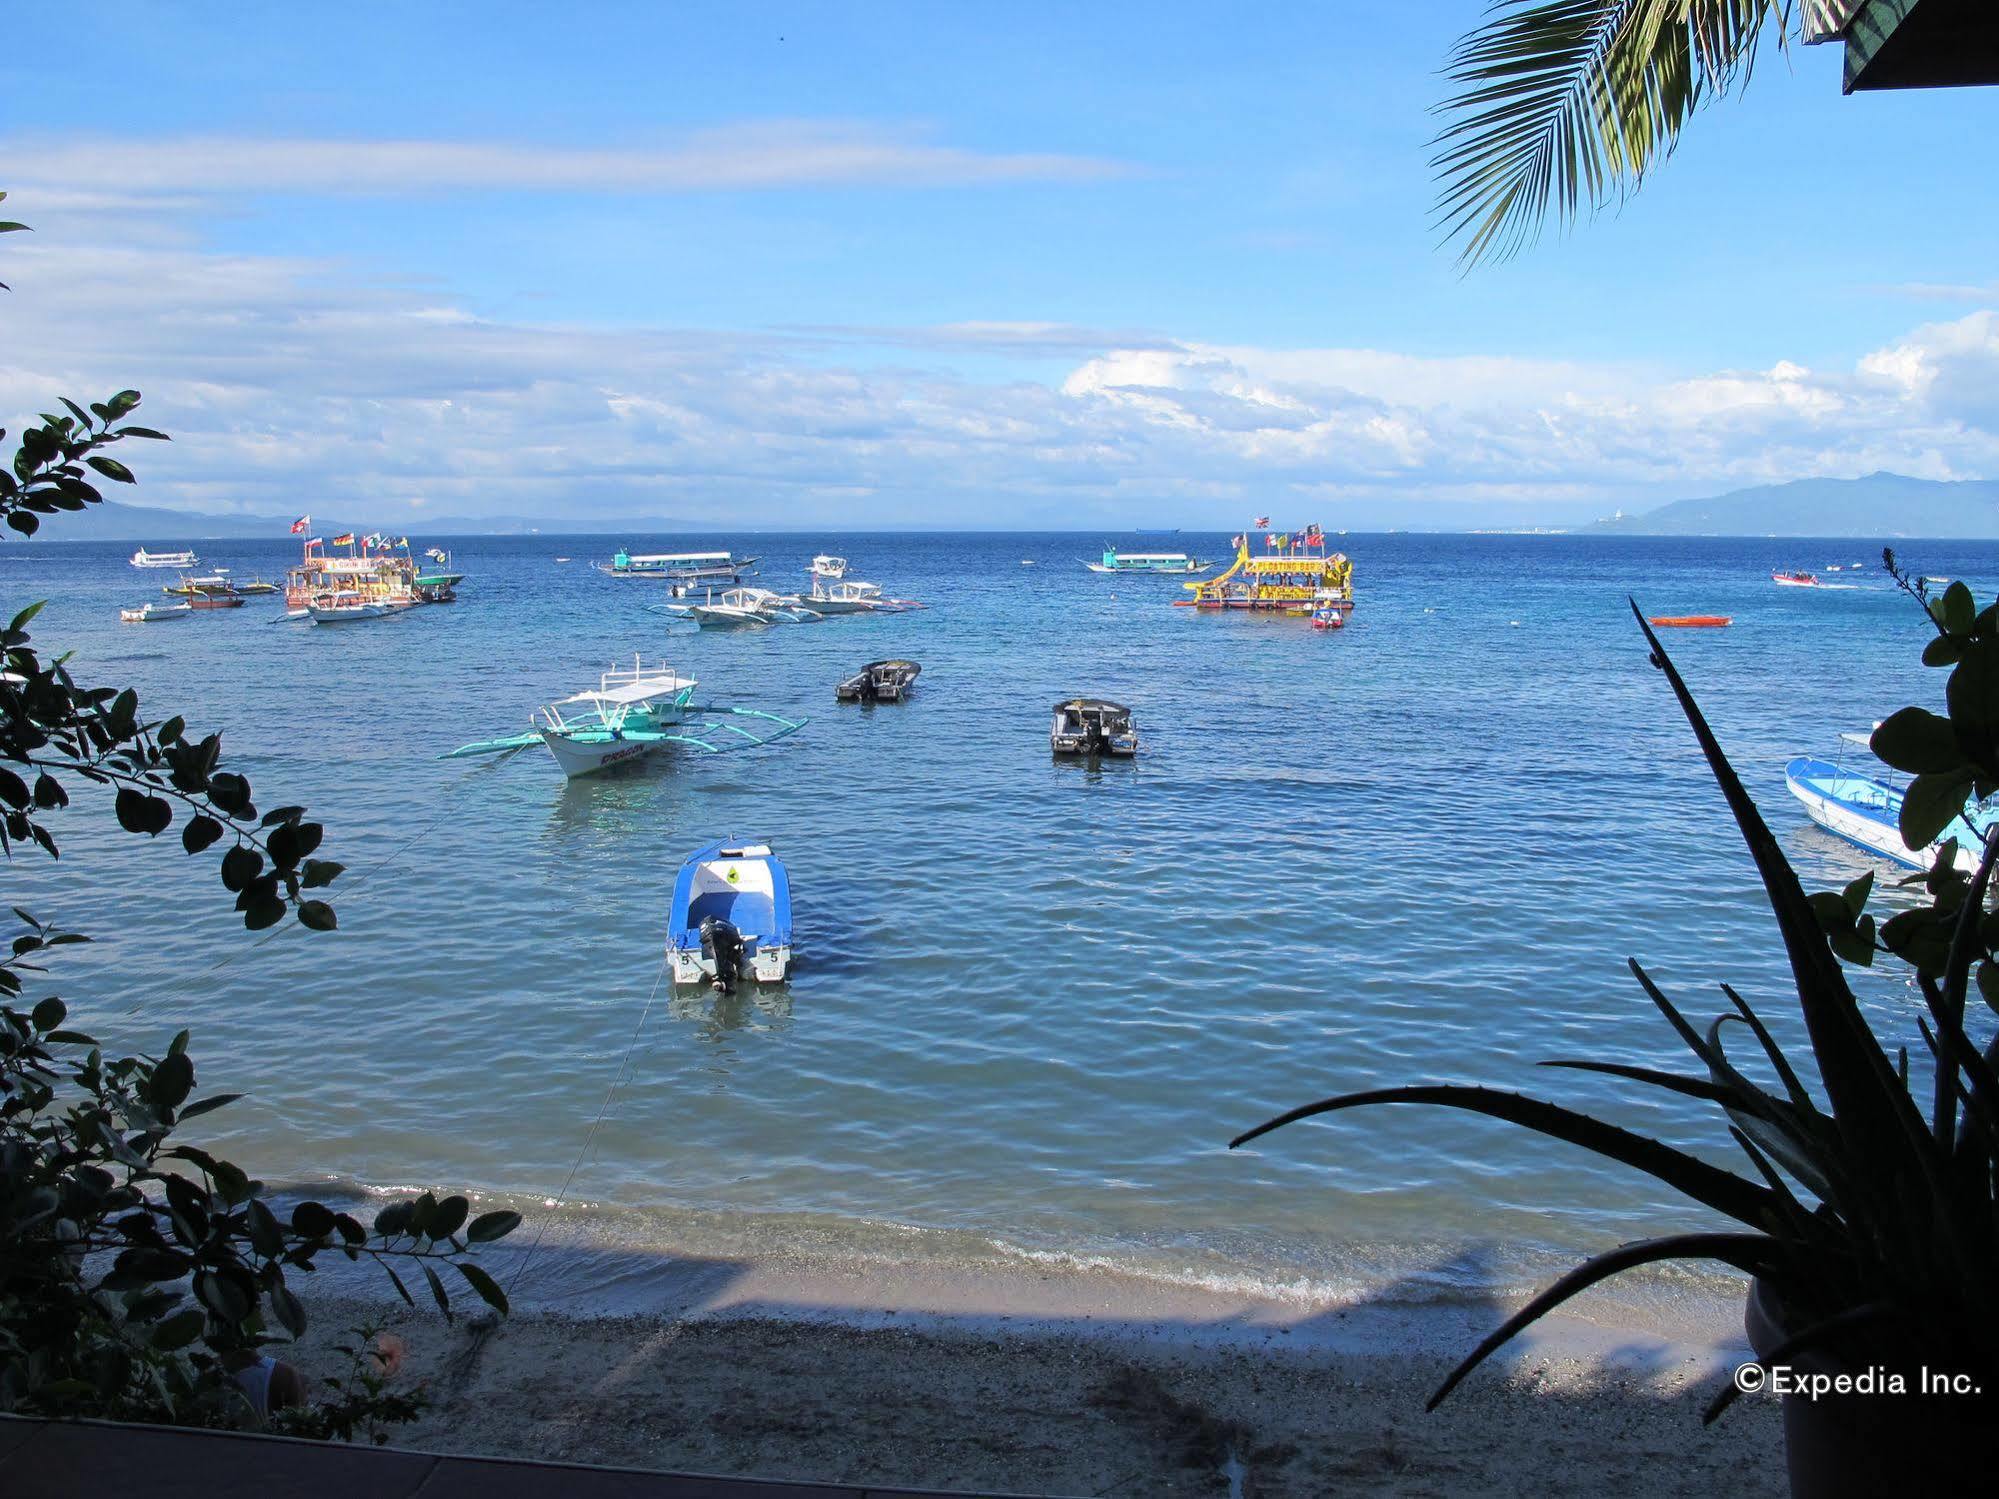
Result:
269,1384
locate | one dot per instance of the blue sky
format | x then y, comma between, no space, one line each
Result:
904,264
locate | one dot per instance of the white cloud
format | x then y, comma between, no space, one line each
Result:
766,154
289,384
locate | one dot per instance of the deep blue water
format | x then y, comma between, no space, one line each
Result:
1033,1000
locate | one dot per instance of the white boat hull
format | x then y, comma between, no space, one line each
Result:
586,757
1873,834
767,965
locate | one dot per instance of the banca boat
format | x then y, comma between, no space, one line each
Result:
348,607
825,565
851,598
190,586
1091,726
634,712
1863,804
1147,562
742,606
144,558
878,682
677,567
153,614
1795,580
231,600
731,916
1690,621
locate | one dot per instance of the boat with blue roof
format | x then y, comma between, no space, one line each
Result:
731,916
1862,803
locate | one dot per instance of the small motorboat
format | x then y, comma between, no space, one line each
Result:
1690,621
259,586
731,917
153,614
828,567
1329,619
1795,580
878,682
1863,805
216,601
1091,726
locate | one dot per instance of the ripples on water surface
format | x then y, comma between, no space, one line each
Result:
1033,999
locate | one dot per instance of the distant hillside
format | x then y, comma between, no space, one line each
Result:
1878,506
160,528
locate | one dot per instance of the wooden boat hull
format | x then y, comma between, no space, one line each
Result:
1690,621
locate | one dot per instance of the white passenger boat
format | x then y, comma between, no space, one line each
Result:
155,614
1862,803
634,712
144,558
827,566
677,567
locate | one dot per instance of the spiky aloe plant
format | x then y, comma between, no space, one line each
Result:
1873,1221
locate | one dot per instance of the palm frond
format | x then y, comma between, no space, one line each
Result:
1749,1253
1565,104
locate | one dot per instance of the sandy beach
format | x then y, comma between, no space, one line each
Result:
1076,1384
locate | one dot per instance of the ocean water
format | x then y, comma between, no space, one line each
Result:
1033,999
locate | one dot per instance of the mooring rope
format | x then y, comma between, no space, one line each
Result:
590,1136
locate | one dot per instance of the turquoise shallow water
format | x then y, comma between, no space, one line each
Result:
1033,1000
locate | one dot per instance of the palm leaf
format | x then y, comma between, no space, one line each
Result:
1565,103
1872,1112
1725,1192
1750,1253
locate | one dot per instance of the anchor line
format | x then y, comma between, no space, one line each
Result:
590,1135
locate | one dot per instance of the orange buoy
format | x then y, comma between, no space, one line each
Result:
1690,621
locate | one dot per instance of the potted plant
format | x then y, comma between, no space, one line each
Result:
1868,1212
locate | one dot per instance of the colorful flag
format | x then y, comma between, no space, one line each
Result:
403,542
1262,521
344,539
303,523
1238,541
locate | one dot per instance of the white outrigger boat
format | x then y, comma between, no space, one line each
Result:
633,712
1863,805
144,558
851,598
743,606
347,606
154,614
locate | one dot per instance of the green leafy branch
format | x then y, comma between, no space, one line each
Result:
49,725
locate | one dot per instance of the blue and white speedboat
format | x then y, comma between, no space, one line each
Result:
731,915
1863,805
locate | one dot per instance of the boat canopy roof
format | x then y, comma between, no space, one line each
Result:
643,691
1145,556
1092,705
675,556
1865,741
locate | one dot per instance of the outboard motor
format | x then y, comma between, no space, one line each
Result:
723,943
1095,740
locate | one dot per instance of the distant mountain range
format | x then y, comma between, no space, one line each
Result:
1876,507
159,527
